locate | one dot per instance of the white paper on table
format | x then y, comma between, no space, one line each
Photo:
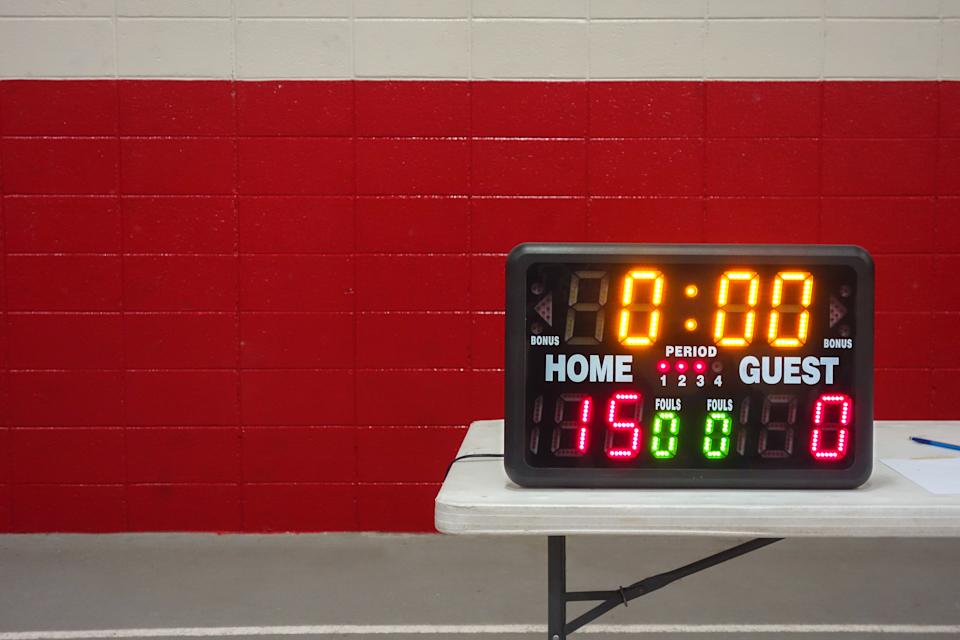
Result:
940,476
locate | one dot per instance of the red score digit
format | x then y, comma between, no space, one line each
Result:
586,408
623,420
561,444
825,425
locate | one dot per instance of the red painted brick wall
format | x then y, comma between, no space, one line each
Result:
270,306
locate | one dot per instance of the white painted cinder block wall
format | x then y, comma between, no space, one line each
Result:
501,39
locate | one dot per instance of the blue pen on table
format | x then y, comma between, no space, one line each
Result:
935,443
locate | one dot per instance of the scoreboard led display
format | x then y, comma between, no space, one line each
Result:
689,365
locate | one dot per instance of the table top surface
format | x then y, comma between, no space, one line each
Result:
478,498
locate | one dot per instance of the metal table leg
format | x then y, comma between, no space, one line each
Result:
557,595
556,587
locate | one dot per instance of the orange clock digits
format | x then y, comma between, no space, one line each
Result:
805,280
630,307
752,282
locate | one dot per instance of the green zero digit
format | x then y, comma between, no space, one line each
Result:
716,435
666,432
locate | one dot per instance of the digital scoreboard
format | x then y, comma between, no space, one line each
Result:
689,366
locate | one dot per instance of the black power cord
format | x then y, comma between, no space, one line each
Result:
467,456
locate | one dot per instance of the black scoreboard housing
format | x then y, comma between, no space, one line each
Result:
524,474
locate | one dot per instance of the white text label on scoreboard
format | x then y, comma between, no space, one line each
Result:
579,368
787,369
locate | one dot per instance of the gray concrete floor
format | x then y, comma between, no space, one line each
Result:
57,582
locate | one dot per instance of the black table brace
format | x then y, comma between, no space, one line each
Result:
557,626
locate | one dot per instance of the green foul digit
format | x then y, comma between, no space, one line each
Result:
716,435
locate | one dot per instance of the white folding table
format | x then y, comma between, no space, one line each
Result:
477,497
